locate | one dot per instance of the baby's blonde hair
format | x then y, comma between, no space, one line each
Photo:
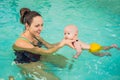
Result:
71,27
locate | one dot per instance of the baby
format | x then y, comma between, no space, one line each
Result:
71,32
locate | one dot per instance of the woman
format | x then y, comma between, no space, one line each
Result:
28,47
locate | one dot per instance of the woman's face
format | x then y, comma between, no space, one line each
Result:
36,26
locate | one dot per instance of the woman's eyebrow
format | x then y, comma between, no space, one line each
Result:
39,24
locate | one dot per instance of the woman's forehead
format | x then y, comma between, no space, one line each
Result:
37,20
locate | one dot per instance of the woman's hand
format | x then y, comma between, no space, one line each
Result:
67,42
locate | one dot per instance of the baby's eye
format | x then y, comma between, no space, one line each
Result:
64,33
68,33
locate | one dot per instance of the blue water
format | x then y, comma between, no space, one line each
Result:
97,21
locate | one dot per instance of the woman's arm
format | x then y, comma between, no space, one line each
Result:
37,50
47,45
25,46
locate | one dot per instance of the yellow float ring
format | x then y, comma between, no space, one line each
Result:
94,47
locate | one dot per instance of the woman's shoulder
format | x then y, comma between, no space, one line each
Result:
22,44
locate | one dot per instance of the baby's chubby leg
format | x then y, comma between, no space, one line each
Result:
109,47
101,54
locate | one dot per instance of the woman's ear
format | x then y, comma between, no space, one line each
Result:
26,26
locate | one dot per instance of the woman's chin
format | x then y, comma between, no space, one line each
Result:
38,35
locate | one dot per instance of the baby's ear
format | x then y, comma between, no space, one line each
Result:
76,33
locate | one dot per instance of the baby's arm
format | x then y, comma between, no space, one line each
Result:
78,49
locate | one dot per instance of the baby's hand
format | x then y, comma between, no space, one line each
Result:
75,56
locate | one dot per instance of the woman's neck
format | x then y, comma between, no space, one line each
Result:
28,35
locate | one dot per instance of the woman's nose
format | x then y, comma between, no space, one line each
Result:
40,28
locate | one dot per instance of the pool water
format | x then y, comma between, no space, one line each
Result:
97,21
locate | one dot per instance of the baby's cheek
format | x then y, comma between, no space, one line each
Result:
65,36
71,36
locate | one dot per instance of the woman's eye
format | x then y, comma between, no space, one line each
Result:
42,25
68,33
37,25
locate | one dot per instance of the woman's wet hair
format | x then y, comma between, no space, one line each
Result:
27,15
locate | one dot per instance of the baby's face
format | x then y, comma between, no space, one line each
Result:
70,32
69,35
